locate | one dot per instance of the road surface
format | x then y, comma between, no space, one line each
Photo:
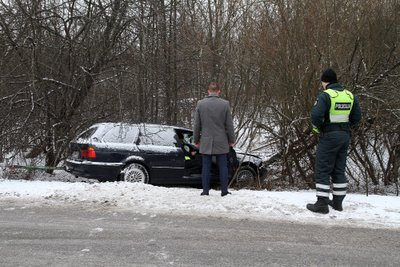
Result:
79,235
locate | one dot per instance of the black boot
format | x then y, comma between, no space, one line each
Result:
336,203
321,206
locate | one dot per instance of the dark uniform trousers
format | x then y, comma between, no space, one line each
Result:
331,163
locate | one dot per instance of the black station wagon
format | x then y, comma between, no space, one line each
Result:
148,153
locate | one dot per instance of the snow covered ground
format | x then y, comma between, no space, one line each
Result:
359,210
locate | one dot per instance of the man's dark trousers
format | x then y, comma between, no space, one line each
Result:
331,163
222,160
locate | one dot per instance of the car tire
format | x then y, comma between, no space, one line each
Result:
135,173
245,176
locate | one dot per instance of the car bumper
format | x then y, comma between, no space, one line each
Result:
102,171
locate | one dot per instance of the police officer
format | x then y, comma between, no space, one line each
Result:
334,113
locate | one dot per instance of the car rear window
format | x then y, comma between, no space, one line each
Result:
85,136
121,134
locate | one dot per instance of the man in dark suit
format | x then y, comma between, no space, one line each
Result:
214,135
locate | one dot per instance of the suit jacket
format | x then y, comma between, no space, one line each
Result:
213,126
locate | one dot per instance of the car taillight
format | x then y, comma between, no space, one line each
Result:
88,153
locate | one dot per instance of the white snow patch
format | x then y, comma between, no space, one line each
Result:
359,210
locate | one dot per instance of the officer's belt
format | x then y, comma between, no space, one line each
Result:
332,127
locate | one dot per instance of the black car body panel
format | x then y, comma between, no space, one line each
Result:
104,150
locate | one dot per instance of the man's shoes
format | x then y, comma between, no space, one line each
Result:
204,194
321,206
225,193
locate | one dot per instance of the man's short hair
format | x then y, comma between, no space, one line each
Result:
213,86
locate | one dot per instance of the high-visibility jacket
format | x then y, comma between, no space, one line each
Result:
341,104
336,109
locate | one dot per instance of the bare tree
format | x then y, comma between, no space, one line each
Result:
67,64
62,51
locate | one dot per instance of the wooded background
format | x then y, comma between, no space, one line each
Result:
67,64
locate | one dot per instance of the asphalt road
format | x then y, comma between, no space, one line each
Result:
48,235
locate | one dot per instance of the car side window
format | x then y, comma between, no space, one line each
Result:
121,134
188,137
157,136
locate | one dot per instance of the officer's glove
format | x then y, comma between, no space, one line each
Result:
315,130
311,131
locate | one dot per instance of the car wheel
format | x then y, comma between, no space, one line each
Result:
245,176
135,173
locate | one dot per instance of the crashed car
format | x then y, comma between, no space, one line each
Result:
148,153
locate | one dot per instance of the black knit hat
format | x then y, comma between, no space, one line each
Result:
329,76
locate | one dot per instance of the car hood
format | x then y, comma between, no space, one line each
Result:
242,156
